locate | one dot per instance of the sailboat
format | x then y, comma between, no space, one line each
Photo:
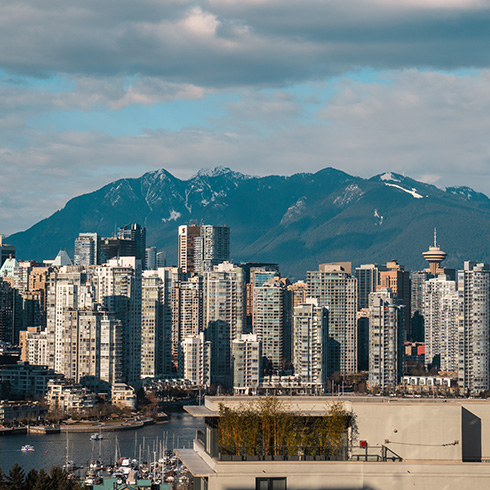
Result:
69,465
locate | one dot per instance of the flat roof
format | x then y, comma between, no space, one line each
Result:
195,464
200,411
317,406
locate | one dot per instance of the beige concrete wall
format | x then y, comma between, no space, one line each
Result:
375,476
415,431
418,429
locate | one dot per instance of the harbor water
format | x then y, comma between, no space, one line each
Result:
56,449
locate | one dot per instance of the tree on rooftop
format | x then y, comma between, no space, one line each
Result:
267,425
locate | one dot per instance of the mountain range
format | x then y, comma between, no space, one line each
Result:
297,221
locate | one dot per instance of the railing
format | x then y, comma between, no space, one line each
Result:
308,453
282,453
373,453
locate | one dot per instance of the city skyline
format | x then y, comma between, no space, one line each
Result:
195,319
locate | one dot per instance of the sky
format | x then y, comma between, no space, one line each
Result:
94,91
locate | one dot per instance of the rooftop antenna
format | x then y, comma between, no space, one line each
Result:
435,236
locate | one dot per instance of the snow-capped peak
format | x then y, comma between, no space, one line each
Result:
388,176
218,171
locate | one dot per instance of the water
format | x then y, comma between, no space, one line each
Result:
50,450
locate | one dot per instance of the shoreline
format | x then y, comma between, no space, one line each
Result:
91,428
138,424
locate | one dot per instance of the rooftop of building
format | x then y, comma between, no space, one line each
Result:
316,405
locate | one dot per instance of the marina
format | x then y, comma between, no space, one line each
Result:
147,451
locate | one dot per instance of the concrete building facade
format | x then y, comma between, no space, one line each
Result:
385,340
398,443
334,287
247,363
474,328
310,342
271,321
196,354
441,310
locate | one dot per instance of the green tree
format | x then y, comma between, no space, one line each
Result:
31,479
330,430
2,480
42,482
59,480
15,479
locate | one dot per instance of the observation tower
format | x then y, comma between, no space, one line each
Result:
434,256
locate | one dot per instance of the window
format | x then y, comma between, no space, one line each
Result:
270,484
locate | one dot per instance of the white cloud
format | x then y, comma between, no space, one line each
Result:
88,93
223,43
201,23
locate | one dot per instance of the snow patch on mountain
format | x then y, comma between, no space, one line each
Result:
218,172
294,212
379,218
390,177
174,216
412,192
352,193
115,193
467,193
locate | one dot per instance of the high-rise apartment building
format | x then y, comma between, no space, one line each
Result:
272,322
363,339
187,247
63,289
299,291
151,258
161,260
396,278
92,346
133,231
196,353
417,281
156,324
114,248
385,340
440,309
187,313
247,363
368,279
84,340
310,340
34,346
10,311
212,247
118,288
224,316
336,289
201,247
6,251
256,277
87,249
474,328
